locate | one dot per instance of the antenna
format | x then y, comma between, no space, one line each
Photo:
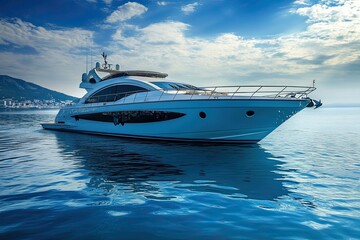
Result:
314,83
105,65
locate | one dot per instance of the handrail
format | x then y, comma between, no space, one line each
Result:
236,91
280,92
211,93
256,91
176,94
234,86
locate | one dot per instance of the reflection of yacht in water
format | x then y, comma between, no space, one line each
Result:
137,166
141,104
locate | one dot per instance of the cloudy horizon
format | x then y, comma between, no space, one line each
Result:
214,42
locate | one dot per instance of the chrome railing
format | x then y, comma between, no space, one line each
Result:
216,92
269,91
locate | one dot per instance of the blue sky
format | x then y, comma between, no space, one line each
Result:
211,42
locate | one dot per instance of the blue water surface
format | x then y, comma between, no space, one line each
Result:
301,182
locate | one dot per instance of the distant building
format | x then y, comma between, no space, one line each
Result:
36,103
7,102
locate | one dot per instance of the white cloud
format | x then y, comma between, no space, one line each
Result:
333,30
331,40
126,12
302,2
107,2
189,8
343,11
58,54
324,51
165,33
21,33
162,3
165,46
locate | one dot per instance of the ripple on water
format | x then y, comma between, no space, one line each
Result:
302,181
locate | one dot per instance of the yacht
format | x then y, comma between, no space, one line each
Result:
145,105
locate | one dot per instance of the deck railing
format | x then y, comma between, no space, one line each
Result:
216,92
269,91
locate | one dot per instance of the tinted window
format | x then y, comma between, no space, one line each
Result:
114,93
175,86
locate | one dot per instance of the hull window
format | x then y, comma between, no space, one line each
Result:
250,113
202,114
130,116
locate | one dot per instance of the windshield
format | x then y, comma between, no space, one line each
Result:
175,86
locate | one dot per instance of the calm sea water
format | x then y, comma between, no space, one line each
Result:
301,182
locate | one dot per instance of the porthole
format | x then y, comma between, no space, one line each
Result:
250,113
202,114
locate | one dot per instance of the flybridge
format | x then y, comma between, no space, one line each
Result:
138,73
92,77
117,73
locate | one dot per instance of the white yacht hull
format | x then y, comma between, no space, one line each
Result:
225,121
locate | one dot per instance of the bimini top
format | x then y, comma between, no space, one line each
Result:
138,73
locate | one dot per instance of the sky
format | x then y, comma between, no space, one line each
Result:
203,42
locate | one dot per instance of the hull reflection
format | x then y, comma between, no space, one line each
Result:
151,169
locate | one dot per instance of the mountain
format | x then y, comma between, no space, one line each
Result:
18,89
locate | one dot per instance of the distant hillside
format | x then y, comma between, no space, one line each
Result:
21,90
